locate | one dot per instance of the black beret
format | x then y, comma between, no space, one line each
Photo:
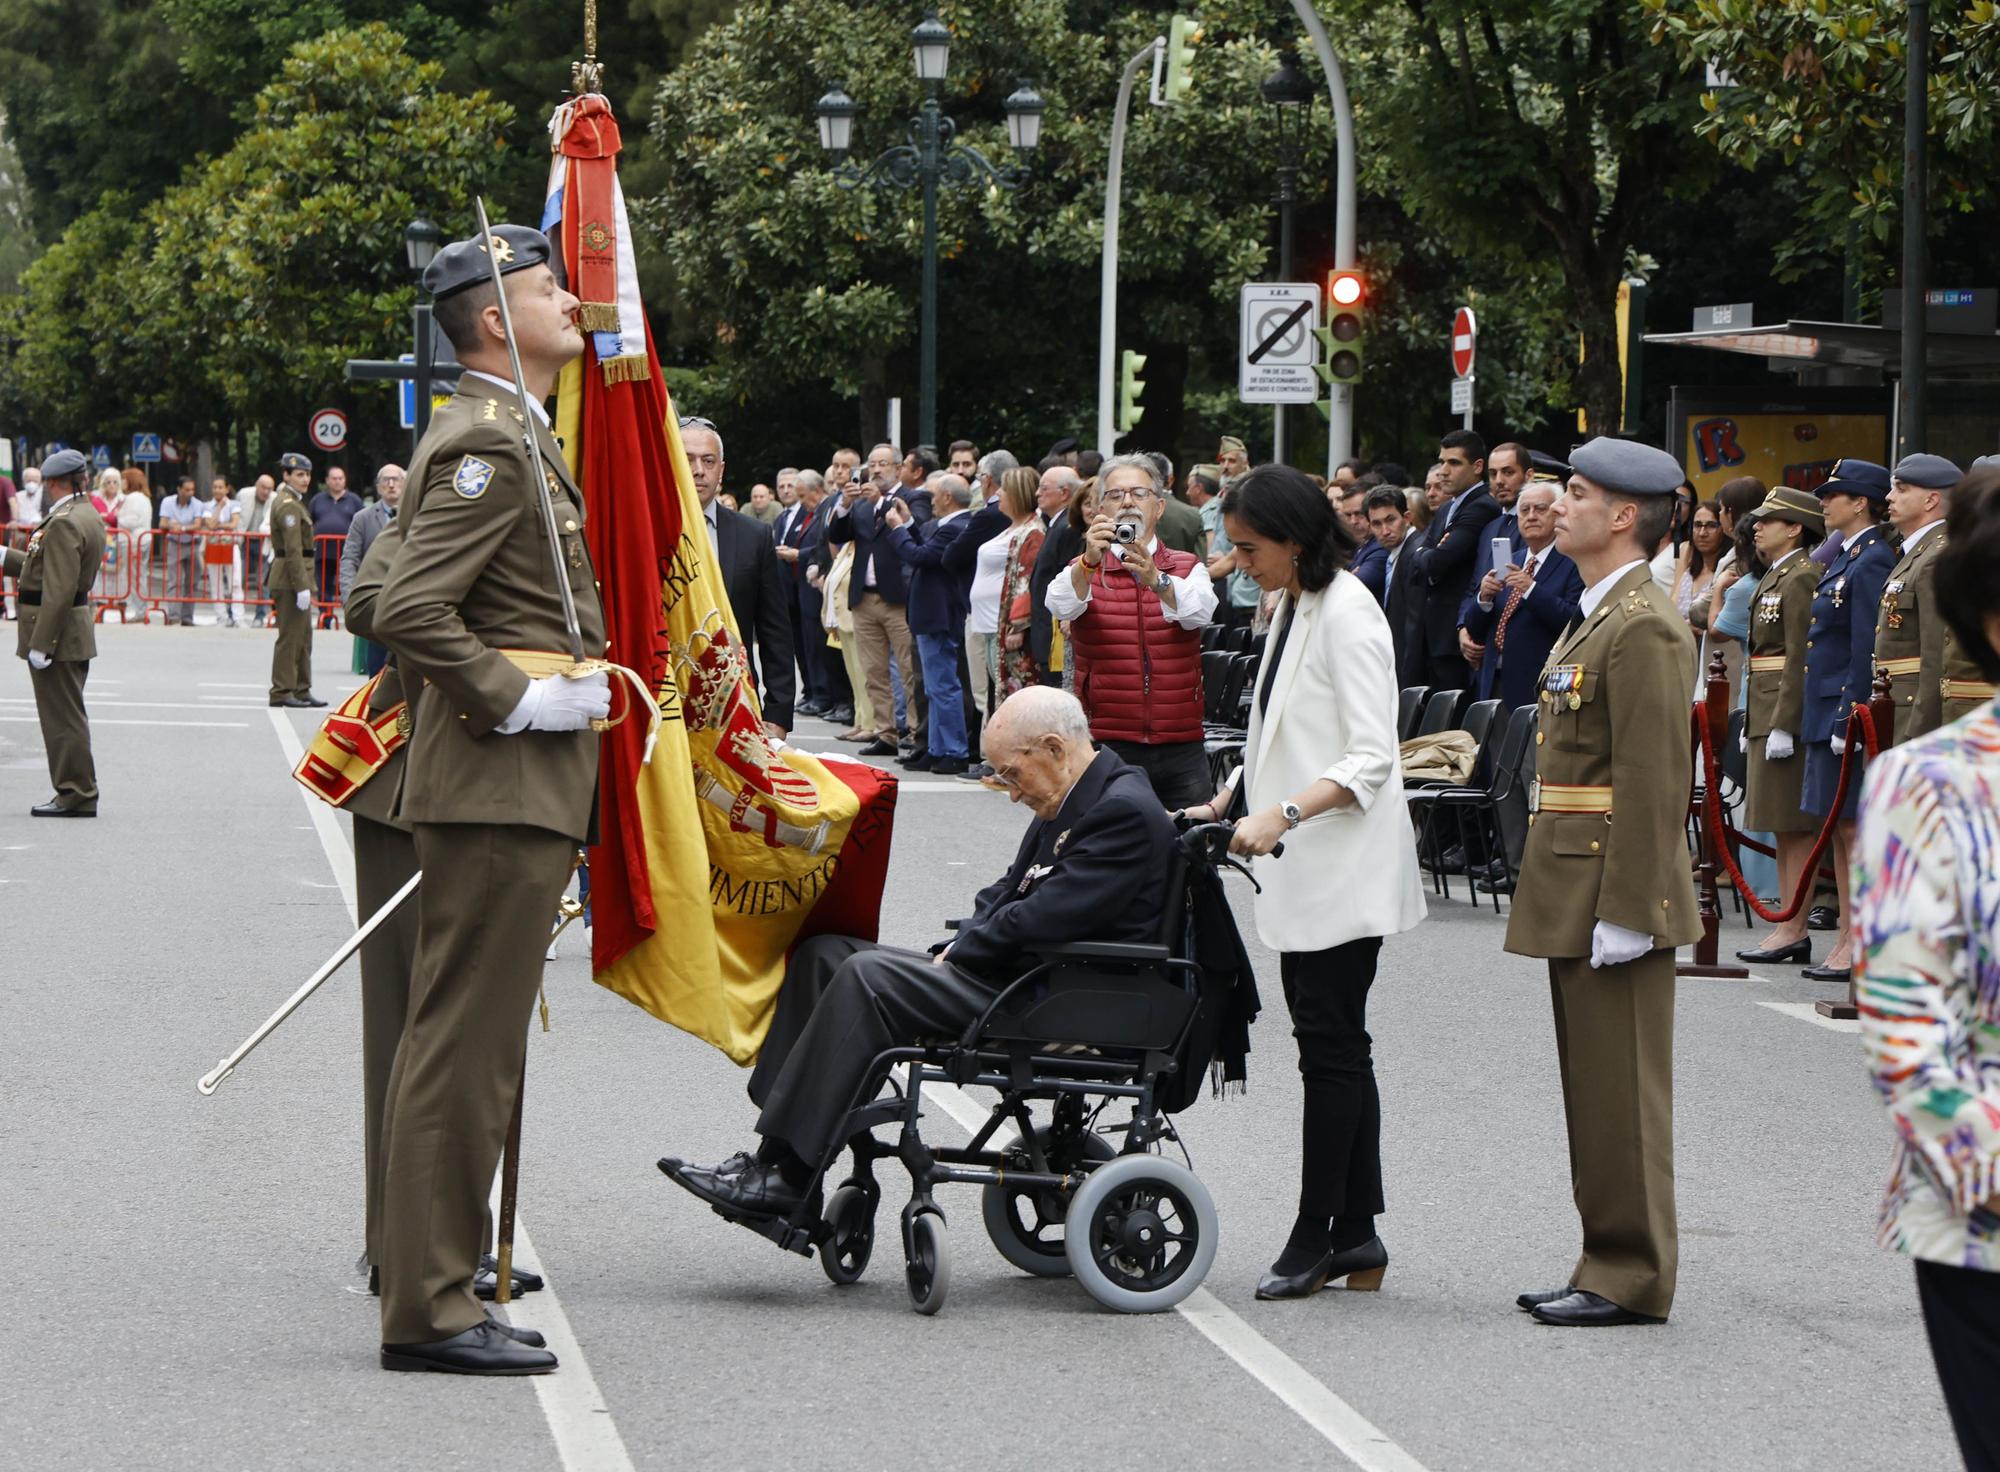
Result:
464,263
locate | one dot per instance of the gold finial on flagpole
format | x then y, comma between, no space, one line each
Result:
588,75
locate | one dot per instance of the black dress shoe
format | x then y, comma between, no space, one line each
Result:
1822,917
1827,973
309,700
488,1277
1499,883
919,762
949,766
740,1186
808,708
481,1350
1798,950
1586,1310
54,809
1362,1266
878,747
530,1337
1452,860
840,715
1537,1298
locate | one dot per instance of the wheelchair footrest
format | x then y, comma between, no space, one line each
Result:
793,1239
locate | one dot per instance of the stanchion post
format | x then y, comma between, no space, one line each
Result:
1882,714
1713,713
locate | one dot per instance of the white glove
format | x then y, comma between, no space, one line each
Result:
1839,743
558,703
1778,745
1743,740
1614,945
38,660
305,599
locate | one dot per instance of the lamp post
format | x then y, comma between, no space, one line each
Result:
1290,91
420,247
930,160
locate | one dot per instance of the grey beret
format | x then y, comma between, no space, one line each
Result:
1928,472
1987,462
64,462
463,263
292,460
1628,467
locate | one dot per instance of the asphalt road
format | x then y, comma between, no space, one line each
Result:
180,1268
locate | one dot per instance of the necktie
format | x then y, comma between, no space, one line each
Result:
1513,602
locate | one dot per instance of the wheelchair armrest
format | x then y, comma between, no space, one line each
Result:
953,924
1102,950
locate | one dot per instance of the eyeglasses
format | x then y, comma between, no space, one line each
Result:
1122,495
695,421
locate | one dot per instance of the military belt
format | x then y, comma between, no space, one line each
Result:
1767,661
1966,689
1562,797
1895,667
34,600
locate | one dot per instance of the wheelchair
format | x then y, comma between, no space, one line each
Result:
1091,1023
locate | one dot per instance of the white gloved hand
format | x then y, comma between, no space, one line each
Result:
558,703
1614,945
1839,743
1779,745
1743,740
38,660
305,600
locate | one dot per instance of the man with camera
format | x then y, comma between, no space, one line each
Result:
877,592
1136,610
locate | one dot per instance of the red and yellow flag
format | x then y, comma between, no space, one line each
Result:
725,850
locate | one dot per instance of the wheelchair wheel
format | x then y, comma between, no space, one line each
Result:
1140,1234
1026,1222
843,1257
928,1269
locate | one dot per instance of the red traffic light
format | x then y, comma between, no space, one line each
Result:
1344,288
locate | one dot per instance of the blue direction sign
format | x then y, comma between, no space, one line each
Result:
100,457
406,395
146,449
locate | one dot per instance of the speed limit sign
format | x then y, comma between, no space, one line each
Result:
329,429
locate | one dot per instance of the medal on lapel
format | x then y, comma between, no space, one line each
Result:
1839,588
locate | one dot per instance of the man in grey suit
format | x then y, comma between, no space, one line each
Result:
367,525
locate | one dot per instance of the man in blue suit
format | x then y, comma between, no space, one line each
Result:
1519,612
937,606
1508,469
878,592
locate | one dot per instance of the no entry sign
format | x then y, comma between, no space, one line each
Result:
1464,342
329,429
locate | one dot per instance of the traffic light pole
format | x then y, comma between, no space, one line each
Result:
1107,311
1340,420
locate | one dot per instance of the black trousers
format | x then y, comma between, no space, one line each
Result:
1178,770
1340,1168
1962,1315
1447,671
845,1000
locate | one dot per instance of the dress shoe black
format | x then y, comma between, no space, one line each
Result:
977,773
878,747
1798,950
1827,973
54,809
530,1337
488,1276
1499,883
840,715
309,700
740,1186
1452,861
949,766
916,762
1538,1297
1822,917
1362,1266
808,708
1586,1310
481,1350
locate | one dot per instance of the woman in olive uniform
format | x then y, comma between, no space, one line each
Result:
1789,525
1840,662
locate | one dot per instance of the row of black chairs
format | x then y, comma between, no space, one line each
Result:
1486,815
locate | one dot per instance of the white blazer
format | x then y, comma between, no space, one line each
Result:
1350,872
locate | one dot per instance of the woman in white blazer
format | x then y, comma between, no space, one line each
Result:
1322,776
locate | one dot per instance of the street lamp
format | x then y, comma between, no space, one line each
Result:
931,158
420,244
1290,91
421,239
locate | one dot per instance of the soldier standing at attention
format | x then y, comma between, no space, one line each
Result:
499,789
1909,630
290,579
57,638
1606,893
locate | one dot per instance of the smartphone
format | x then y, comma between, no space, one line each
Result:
1503,553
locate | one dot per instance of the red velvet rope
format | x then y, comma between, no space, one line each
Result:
1861,722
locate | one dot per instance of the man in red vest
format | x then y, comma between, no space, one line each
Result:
1135,611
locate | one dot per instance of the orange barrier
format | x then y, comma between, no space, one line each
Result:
170,574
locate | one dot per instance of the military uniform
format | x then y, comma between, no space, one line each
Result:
497,819
289,572
1607,847
1909,635
1775,696
1840,645
62,558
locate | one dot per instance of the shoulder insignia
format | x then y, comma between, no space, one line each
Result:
291,521
473,477
492,410
519,417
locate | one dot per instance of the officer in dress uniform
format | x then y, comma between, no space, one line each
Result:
57,637
1840,663
1909,630
1606,892
289,575
499,788
1790,524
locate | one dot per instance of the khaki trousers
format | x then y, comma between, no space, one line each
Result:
291,661
1615,1046
857,680
66,731
484,914
881,630
384,859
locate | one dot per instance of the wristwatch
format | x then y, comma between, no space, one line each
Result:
1292,813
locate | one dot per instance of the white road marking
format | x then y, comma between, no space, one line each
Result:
116,703
953,785
232,685
97,721
586,1437
1352,1434
1806,1012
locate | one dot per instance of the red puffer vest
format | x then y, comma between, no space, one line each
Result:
1138,675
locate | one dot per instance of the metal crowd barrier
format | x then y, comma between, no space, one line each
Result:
169,573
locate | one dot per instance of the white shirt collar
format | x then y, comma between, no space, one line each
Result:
1920,533
1598,591
953,515
1785,559
535,404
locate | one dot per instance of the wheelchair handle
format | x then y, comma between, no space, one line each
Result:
1213,838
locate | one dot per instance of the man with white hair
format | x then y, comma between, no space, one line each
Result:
368,524
1087,869
936,609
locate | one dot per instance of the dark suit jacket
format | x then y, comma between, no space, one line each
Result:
1180,528
1445,558
1058,547
962,558
762,605
1503,525
1090,873
1513,674
1404,603
937,602
862,526
1371,566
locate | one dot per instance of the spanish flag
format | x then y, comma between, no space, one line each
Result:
726,849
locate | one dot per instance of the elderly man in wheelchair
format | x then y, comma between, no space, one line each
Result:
1069,982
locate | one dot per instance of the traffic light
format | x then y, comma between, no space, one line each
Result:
1130,390
1183,35
1342,337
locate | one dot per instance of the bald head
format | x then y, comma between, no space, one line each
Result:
1058,482
954,488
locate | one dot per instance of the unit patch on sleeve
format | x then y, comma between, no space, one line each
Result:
474,476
